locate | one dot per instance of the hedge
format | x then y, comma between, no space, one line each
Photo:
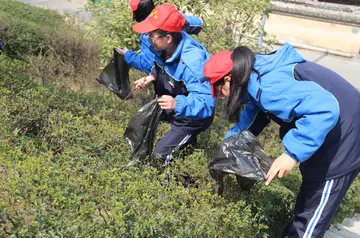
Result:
63,173
54,47
63,156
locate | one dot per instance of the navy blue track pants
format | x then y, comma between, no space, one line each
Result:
316,204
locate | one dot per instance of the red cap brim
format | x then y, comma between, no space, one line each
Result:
144,27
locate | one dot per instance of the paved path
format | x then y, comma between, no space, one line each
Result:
350,228
349,68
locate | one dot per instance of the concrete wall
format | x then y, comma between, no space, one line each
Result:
334,36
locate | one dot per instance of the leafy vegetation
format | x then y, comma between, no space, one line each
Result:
227,24
63,157
55,48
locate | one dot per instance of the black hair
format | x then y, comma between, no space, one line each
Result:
144,9
243,60
177,36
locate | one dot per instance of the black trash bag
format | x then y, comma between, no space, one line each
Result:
141,130
115,76
242,155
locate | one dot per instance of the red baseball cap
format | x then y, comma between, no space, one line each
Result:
165,17
218,66
134,4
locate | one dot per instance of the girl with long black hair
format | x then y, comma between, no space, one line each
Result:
318,112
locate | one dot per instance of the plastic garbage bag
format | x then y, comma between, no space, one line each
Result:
242,155
141,130
115,76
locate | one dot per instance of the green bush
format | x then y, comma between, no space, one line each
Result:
30,13
111,26
56,49
63,156
20,37
63,173
232,23
24,27
226,23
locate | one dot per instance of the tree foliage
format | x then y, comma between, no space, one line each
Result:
63,157
227,24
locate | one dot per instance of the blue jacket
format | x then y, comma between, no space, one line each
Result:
277,92
193,24
144,60
317,110
185,69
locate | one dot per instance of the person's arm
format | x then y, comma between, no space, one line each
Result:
314,109
199,103
143,60
317,113
251,118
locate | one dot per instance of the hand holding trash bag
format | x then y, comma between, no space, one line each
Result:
167,102
115,76
121,51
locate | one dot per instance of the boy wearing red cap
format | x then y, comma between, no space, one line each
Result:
319,128
187,103
144,60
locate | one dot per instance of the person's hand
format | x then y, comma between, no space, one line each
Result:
121,51
167,102
143,82
280,167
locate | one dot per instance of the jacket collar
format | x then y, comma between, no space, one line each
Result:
175,56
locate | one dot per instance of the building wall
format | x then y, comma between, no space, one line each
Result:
334,36
348,2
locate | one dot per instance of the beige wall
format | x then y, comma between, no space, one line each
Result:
332,36
81,1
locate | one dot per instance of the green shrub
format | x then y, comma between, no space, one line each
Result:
111,26
24,27
232,23
20,37
30,13
63,156
226,23
63,173
56,50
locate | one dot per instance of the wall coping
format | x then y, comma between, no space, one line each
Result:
318,10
